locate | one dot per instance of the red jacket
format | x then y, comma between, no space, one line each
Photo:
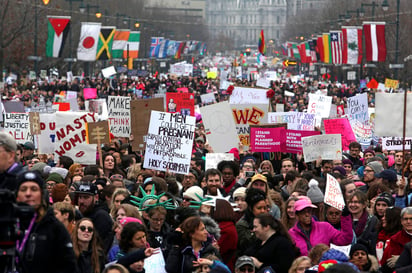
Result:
395,246
228,243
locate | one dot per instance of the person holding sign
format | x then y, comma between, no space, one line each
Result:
307,233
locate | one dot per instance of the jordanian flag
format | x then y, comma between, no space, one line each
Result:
57,29
104,46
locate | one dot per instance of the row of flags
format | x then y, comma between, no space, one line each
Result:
342,46
99,42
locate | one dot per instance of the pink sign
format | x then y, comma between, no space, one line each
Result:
267,139
340,126
294,142
89,93
183,90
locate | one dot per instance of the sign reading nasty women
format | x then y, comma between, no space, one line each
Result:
169,142
119,115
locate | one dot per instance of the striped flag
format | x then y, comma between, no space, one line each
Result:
181,46
104,46
132,45
57,29
295,51
121,36
89,37
171,48
261,44
319,49
352,44
326,48
375,44
162,53
155,42
336,46
312,48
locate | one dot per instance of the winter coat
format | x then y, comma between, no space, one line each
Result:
322,233
369,235
84,262
228,243
8,178
245,235
395,247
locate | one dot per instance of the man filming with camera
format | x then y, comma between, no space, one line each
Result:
9,168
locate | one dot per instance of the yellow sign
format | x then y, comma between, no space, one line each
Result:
389,83
287,63
212,75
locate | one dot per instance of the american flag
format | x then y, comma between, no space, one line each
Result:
336,43
155,42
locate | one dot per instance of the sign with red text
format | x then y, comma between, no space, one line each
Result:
333,193
18,126
71,136
324,146
47,137
118,108
320,106
294,140
246,95
183,103
264,139
340,126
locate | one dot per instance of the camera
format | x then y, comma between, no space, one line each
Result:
249,173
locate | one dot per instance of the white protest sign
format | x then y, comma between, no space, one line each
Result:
155,263
295,120
270,75
320,106
358,107
333,193
212,159
47,135
169,142
219,124
178,69
262,82
280,107
324,146
119,115
69,76
389,114
208,98
188,69
108,71
97,106
71,136
18,126
245,95
224,85
344,249
396,143
71,95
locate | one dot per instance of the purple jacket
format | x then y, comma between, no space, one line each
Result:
322,233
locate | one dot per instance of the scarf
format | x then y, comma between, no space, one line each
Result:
360,226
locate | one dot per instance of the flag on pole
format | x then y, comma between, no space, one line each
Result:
162,53
319,49
326,48
312,48
155,42
104,46
295,51
121,36
89,37
336,46
375,44
352,45
57,29
261,44
180,48
132,45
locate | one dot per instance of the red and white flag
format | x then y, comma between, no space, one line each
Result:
375,43
336,46
352,44
89,37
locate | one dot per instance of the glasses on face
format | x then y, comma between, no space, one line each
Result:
84,228
407,219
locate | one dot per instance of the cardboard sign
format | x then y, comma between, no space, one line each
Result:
212,159
219,124
89,93
320,106
245,95
324,146
169,142
295,120
294,140
98,132
396,143
340,126
333,193
264,139
358,107
183,103
34,120
18,125
140,111
119,115
71,136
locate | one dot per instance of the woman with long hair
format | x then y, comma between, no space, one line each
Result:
288,213
389,225
300,264
110,166
118,196
89,254
266,166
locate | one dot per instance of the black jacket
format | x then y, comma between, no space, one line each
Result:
8,178
48,248
84,262
104,226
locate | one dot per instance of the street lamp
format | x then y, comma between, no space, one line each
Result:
70,59
385,7
362,10
349,12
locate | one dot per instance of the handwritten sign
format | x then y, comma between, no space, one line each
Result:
320,106
294,140
212,159
389,83
264,139
47,136
169,142
119,115
340,126
155,263
295,120
89,93
208,98
183,103
18,125
325,146
396,143
244,95
333,193
358,107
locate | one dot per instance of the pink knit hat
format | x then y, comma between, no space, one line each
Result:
127,220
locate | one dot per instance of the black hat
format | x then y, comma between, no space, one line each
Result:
388,174
87,188
356,247
27,176
387,198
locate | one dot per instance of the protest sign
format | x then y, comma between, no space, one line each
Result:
97,132
340,126
47,137
295,120
396,143
280,107
224,85
71,136
183,103
108,71
140,111
245,95
320,106
333,193
34,121
358,107
18,126
169,142
182,90
294,140
212,159
97,106
263,82
324,146
155,263
389,83
219,124
89,93
363,133
267,139
71,95
208,98
389,113
13,106
119,115
245,115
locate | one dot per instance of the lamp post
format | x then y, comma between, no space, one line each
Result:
70,59
362,10
385,7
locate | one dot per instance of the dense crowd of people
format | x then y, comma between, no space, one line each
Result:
251,214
